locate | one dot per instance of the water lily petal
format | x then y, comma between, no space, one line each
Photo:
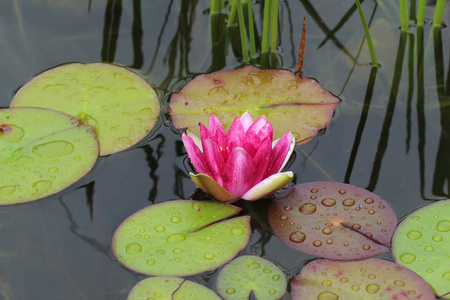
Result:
268,186
288,155
254,138
214,159
257,125
236,134
215,127
195,138
212,188
239,172
280,152
246,120
195,155
262,159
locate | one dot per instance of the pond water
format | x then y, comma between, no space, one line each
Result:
390,134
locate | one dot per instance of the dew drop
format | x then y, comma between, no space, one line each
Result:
329,241
208,255
272,291
133,248
416,218
77,158
317,243
348,202
175,219
369,200
446,276
437,238
429,271
7,190
160,252
429,248
151,262
372,288
407,258
366,247
327,296
371,276
355,287
356,227
327,283
328,202
160,228
230,291
177,259
342,191
176,238
237,231
276,277
399,283
327,230
284,217
343,280
267,271
371,212
314,190
41,187
254,265
297,237
287,207
443,226
307,208
53,149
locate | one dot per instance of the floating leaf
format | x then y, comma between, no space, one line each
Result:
118,103
367,279
170,288
178,238
333,220
290,103
42,151
421,243
251,274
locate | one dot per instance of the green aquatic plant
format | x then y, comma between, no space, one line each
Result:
180,238
370,45
251,275
332,220
42,151
421,243
120,105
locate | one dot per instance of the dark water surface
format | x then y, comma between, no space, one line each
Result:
390,134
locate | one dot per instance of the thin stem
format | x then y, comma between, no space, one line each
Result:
439,12
232,13
373,55
266,25
273,25
242,31
404,14
214,6
421,12
251,29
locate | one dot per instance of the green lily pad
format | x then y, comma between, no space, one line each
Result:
42,151
421,243
118,103
251,274
180,238
290,102
332,220
170,288
367,279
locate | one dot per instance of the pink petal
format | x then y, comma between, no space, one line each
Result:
257,125
239,172
215,126
195,155
262,159
253,139
279,153
236,134
246,120
214,159
204,133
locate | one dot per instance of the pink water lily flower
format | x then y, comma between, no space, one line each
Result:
244,163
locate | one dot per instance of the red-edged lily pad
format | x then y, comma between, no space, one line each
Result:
118,103
290,103
421,243
170,288
42,151
333,220
180,238
249,274
366,279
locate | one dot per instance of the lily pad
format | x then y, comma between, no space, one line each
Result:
118,103
251,274
290,103
42,151
170,288
371,278
333,220
180,238
421,243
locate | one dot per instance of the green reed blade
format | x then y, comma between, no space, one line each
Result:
373,55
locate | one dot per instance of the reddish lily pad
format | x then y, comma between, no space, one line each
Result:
251,274
290,103
332,220
368,279
170,288
421,243
118,103
42,151
180,238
